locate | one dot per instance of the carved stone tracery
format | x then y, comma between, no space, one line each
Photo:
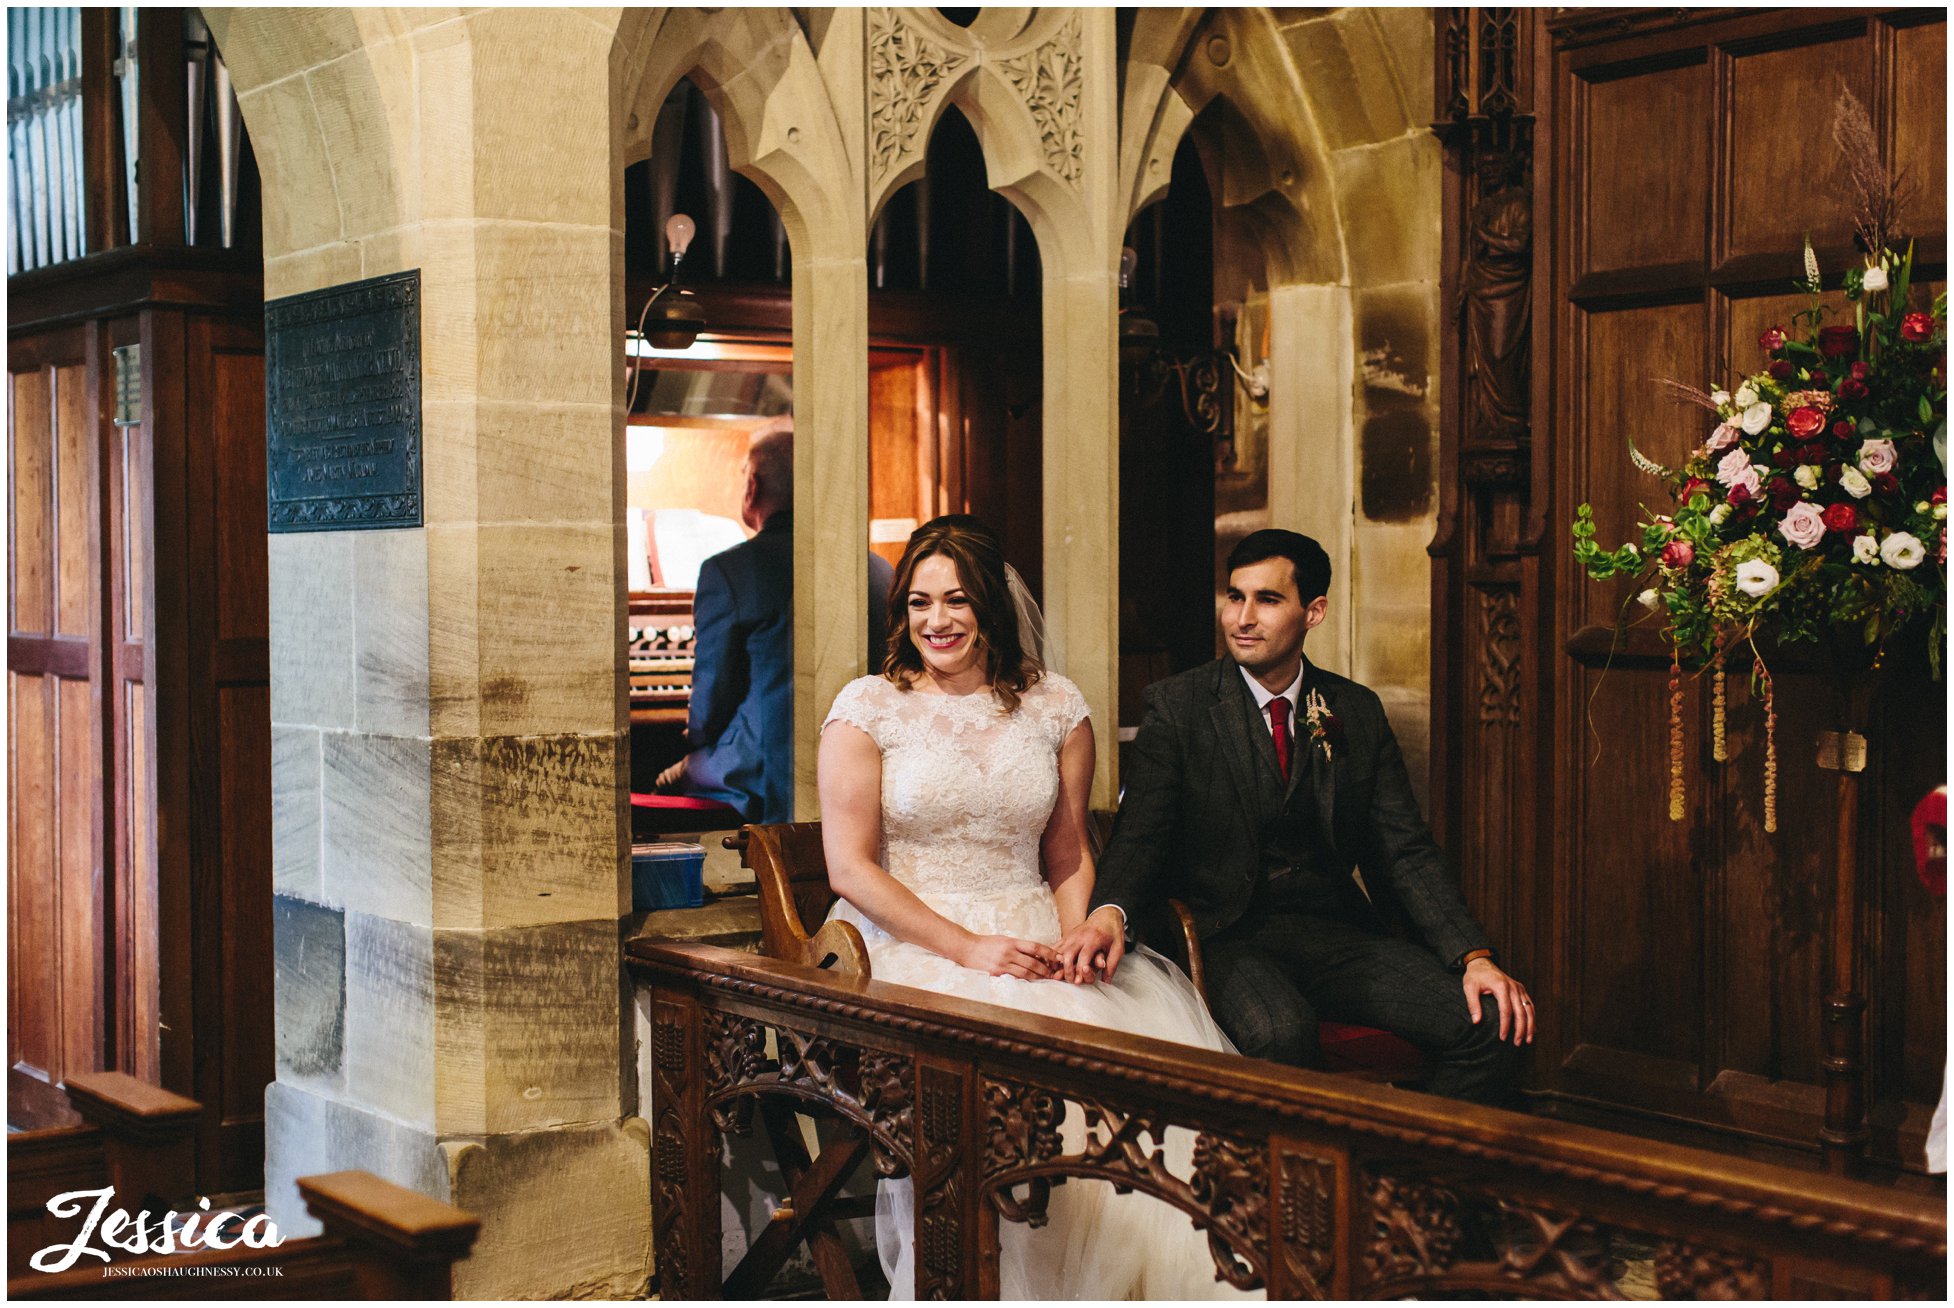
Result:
906,69
1051,82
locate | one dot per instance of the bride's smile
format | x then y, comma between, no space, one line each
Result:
943,625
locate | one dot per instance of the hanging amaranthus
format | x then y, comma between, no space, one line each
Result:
1676,742
1718,749
1770,748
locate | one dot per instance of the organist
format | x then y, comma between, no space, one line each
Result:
740,721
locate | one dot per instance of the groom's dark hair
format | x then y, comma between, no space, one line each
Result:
1312,565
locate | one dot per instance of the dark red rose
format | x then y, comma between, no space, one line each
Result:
1939,496
1838,341
1813,455
1783,493
1853,389
1842,429
1841,518
1917,327
1745,512
1781,369
1804,422
1773,339
1862,370
1818,377
1690,487
1738,495
1832,471
1886,484
1678,554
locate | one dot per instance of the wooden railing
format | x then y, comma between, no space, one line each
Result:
1311,1185
380,1241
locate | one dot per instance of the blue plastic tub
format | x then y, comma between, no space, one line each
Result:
668,874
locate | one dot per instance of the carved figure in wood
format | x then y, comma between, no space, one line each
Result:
953,795
1497,302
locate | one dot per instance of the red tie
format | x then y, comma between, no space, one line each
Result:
1279,728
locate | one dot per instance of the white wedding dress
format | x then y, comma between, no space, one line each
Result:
967,790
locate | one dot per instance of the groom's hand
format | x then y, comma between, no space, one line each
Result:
1483,977
1092,950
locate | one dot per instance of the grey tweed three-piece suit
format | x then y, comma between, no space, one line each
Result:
1265,866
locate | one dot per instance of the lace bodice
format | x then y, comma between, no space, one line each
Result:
967,788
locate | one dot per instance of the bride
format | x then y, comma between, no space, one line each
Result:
953,804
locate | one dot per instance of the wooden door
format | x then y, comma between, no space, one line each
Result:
57,806
1685,961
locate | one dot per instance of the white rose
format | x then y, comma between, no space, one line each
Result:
1865,549
1878,456
1940,513
1875,279
1745,397
1756,578
1649,599
1720,515
1806,476
1803,526
1855,483
1902,550
1719,398
1756,417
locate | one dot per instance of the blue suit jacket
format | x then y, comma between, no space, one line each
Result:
741,725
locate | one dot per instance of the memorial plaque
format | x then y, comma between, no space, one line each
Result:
343,406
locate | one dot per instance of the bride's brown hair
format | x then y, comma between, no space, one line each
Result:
978,557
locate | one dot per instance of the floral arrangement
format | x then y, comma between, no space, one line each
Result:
1814,510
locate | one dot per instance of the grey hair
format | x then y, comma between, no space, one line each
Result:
770,458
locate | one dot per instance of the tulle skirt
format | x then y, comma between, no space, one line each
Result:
1096,1244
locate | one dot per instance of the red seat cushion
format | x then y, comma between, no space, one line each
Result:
1350,1048
682,801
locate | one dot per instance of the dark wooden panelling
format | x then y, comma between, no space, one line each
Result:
1679,158
1644,205
32,436
33,919
1785,177
237,436
1920,115
1622,356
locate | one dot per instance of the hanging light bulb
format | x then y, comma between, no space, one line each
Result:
679,231
1129,259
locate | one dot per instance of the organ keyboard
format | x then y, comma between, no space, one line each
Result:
661,646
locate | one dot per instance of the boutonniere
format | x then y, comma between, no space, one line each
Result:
1325,730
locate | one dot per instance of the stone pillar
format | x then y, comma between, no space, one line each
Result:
831,479
449,711
1079,243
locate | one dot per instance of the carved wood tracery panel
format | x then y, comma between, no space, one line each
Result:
869,1087
1227,1194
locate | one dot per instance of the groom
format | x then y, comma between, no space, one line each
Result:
1256,784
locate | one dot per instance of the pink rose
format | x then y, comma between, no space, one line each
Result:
1772,339
1877,456
1722,438
1803,525
1678,554
1732,466
1744,485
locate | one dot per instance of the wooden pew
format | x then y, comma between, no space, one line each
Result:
1309,1184
381,1241
137,1137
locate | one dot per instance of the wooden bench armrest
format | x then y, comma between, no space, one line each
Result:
118,1104
838,945
1197,971
402,1244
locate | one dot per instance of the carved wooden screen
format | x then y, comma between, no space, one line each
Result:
1685,961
